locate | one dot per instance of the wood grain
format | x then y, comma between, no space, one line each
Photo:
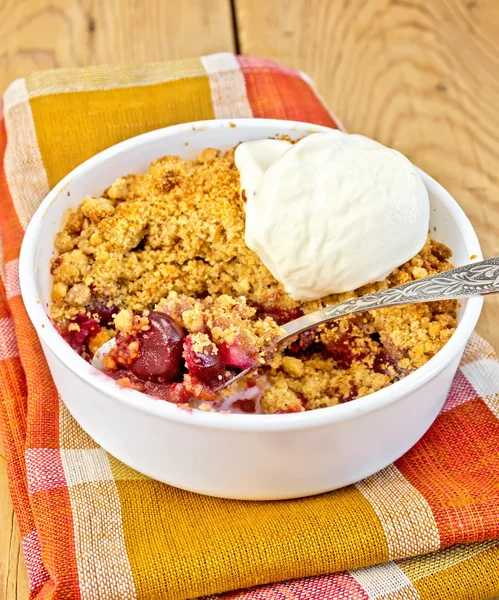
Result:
13,579
44,34
420,76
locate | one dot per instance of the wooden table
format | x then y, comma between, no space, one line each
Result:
417,75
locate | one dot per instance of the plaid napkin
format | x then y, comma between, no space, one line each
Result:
425,527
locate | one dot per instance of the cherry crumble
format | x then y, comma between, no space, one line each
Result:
159,262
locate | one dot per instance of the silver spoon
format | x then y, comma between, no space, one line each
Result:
476,279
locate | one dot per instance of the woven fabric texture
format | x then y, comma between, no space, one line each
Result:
426,527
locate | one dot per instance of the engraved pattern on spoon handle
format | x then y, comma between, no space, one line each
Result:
469,280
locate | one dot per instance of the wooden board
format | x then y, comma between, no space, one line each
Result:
45,34
13,579
422,77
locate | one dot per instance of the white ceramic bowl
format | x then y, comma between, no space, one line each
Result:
236,456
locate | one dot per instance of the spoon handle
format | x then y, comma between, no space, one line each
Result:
475,279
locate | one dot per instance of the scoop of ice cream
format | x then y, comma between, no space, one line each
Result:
253,159
332,212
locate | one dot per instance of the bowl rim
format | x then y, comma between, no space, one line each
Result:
235,422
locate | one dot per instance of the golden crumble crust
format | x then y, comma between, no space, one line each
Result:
172,239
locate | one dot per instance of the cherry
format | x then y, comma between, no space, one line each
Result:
245,405
208,368
280,315
235,356
105,312
304,341
76,339
160,358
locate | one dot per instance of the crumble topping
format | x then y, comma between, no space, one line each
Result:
172,241
229,320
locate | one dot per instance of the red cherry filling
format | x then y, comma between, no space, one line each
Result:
236,356
198,389
105,312
178,394
153,354
343,351
208,368
304,341
280,315
175,393
87,328
354,392
160,350
245,405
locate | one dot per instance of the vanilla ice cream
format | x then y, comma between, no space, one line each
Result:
332,212
254,158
